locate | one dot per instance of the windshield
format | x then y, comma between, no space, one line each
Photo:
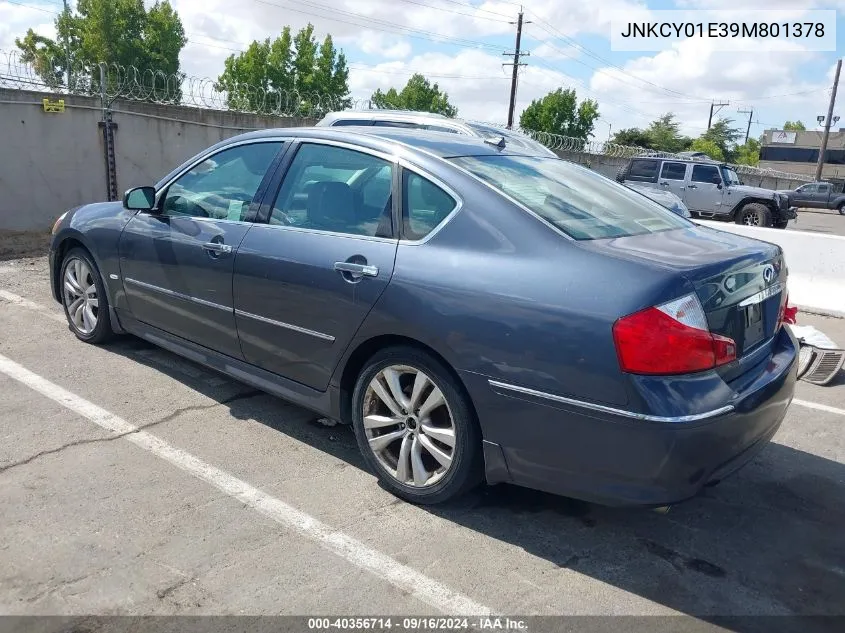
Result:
730,177
580,202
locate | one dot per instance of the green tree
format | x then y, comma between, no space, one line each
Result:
708,147
633,136
418,94
560,113
289,73
796,126
724,137
749,153
117,32
665,135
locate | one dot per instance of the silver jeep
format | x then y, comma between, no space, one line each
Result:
710,190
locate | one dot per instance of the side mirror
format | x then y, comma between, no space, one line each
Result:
140,199
717,180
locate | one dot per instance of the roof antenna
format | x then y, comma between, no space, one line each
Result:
496,141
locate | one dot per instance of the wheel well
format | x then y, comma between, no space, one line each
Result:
366,350
743,203
64,246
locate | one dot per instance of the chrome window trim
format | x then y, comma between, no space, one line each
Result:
287,326
611,410
177,295
302,229
209,154
458,200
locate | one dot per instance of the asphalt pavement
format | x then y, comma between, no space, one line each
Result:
819,221
135,482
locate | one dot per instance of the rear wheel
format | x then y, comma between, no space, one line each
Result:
842,209
415,427
754,214
84,297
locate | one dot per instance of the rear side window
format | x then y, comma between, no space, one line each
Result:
351,122
404,124
673,171
643,170
704,173
576,200
424,205
824,188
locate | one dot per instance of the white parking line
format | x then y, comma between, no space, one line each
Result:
405,578
818,407
19,301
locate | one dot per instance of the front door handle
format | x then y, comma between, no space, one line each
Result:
217,247
356,270
693,186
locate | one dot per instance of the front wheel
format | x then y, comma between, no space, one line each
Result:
754,214
415,426
84,297
781,224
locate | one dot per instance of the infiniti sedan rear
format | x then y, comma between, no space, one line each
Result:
477,313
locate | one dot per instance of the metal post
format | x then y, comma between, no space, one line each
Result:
67,47
828,121
108,138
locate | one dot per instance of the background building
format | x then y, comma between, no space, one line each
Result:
798,153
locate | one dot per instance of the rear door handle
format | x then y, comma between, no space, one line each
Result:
356,269
217,247
693,187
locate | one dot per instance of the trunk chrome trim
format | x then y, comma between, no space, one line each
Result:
761,296
287,326
176,295
611,410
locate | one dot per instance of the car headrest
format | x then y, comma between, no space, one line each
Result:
331,206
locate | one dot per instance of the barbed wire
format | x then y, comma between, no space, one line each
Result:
111,81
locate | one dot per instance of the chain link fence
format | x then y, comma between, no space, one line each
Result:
113,81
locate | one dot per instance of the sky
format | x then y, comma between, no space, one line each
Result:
459,44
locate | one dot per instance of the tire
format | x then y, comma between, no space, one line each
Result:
89,321
453,420
842,209
754,214
781,224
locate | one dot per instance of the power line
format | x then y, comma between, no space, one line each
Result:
472,15
29,6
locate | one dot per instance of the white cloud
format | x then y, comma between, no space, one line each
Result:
383,45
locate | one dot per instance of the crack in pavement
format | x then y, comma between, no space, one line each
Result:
167,418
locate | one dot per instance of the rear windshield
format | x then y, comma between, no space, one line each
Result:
578,201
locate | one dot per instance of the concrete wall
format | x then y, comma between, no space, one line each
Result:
50,162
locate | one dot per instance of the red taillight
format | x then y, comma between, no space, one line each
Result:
670,339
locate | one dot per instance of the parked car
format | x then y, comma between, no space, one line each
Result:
433,122
816,195
711,190
664,198
476,312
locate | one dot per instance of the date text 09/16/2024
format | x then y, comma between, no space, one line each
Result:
485,623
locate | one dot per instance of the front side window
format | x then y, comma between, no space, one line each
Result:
730,176
336,189
705,173
674,171
576,200
424,206
824,188
222,186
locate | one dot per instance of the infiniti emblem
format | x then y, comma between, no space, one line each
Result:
768,274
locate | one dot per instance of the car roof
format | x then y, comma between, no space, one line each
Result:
390,139
396,115
682,159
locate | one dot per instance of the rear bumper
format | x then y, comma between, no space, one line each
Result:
618,460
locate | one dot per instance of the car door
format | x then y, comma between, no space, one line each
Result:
673,177
177,261
307,276
822,196
805,194
703,194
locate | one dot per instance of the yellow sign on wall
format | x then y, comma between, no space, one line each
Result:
53,106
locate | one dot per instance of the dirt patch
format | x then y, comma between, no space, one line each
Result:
17,244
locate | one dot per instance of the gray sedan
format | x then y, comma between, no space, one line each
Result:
477,312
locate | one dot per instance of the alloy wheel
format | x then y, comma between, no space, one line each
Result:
751,219
80,294
409,426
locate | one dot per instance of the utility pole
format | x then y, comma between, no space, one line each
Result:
67,44
750,114
717,105
828,121
516,64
